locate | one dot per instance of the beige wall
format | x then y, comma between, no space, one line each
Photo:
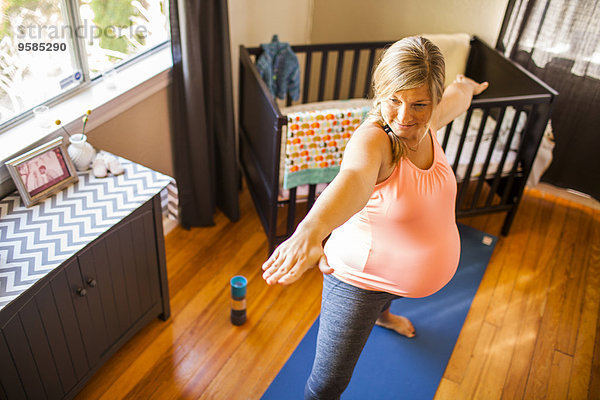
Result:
360,20
253,22
140,134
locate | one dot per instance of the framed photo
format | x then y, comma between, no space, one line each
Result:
43,171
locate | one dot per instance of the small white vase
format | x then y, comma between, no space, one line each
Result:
81,152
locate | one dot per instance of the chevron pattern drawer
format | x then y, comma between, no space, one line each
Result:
80,274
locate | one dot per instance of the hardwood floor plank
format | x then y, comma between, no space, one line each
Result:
502,349
183,243
447,390
511,265
577,239
559,376
471,380
586,336
594,388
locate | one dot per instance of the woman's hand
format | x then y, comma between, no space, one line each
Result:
293,257
475,87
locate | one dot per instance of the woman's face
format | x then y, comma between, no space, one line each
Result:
408,112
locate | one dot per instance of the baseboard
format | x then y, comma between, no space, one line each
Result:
568,194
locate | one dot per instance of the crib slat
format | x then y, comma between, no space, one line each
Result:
369,71
312,191
338,75
488,157
447,135
306,84
513,171
323,75
291,217
467,177
498,174
509,183
463,136
354,73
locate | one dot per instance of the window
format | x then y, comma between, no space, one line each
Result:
556,29
51,47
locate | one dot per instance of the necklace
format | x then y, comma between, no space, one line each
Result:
388,129
416,147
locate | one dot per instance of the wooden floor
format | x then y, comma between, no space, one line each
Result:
533,330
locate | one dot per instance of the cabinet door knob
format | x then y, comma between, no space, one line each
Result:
82,292
91,282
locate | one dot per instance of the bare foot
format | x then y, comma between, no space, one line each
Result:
397,323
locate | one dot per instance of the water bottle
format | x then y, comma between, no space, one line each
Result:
238,299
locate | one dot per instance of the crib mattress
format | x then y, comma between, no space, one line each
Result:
451,148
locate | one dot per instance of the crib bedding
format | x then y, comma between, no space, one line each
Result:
292,154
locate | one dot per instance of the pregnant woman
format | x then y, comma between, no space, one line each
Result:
389,213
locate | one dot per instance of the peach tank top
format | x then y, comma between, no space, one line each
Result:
405,240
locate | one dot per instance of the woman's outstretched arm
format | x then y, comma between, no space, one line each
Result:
456,100
346,195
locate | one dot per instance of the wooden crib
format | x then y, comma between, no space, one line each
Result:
343,71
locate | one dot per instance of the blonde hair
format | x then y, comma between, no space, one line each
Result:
407,64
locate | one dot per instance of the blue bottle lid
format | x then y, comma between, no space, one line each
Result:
238,286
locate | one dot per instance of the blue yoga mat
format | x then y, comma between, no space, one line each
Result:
392,366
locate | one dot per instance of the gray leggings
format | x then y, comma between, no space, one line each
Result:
348,315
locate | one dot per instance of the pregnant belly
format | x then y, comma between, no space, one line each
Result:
418,265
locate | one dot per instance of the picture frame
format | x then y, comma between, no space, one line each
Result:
43,171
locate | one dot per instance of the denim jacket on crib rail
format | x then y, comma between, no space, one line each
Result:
279,68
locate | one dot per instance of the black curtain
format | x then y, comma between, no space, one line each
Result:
201,109
558,41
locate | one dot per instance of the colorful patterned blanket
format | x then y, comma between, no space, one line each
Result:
316,139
